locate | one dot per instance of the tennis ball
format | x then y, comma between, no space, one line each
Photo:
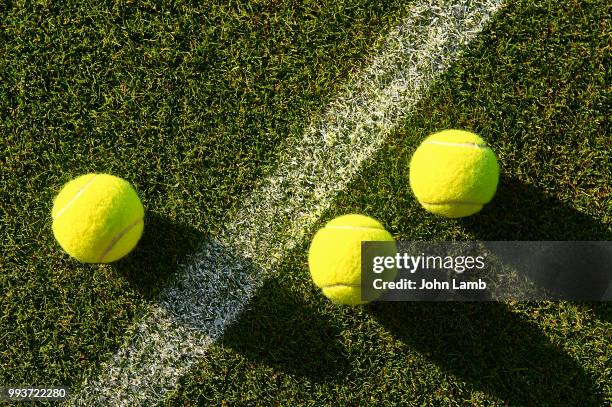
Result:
453,173
334,256
97,218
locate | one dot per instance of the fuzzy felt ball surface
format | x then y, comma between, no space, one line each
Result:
97,218
454,173
334,257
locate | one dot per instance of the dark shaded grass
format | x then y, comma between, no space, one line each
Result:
153,263
503,354
534,86
296,339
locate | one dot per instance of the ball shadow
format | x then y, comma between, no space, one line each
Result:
523,212
493,349
486,344
285,332
154,261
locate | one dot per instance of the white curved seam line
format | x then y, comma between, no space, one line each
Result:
353,227
74,198
451,144
341,285
118,237
453,203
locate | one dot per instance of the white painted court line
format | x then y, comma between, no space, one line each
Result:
216,286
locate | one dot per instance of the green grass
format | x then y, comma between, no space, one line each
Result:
534,86
190,102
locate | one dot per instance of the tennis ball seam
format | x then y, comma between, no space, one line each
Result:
335,285
454,173
118,237
451,144
341,285
352,227
97,218
75,197
451,202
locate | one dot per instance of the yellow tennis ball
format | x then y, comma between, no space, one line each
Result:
453,173
334,256
97,218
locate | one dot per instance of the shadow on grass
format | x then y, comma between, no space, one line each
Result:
283,331
522,212
493,349
485,343
154,262
278,328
